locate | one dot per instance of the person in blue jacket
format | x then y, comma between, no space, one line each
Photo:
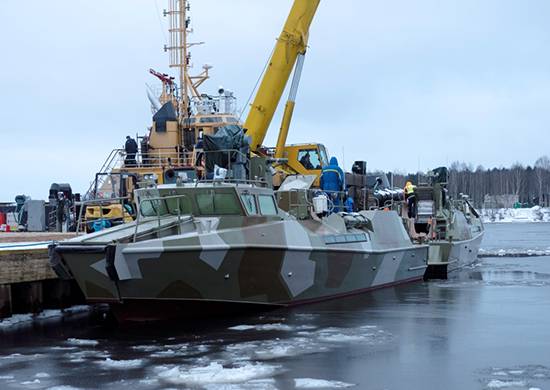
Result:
333,181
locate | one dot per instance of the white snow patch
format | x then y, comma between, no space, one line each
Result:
497,384
146,348
77,309
271,327
63,348
148,382
16,319
533,214
63,387
242,327
42,375
48,314
215,373
34,382
256,384
6,377
309,383
13,356
516,372
121,364
340,338
83,342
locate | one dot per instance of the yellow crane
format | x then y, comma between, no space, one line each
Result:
288,55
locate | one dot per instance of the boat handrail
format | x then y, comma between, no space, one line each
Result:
157,210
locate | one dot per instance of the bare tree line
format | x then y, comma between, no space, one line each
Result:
496,187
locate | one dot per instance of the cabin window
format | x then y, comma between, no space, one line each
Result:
218,203
267,205
309,158
249,204
153,208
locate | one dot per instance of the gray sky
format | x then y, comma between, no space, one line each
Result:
403,84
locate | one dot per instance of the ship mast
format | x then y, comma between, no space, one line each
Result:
180,56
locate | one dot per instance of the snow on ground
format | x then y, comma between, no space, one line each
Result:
309,383
534,214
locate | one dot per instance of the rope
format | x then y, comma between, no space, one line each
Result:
160,22
257,82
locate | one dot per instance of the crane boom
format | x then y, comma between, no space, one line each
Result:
292,42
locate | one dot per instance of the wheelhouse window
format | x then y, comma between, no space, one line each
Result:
249,204
309,158
267,205
218,204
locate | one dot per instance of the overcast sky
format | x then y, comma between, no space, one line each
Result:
403,84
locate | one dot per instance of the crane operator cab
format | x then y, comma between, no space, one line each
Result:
307,159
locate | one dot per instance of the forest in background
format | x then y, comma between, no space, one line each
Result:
493,188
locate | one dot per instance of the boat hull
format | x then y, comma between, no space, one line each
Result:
150,285
447,258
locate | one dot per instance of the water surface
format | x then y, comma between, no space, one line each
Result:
489,328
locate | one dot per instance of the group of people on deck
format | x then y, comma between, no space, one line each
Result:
333,183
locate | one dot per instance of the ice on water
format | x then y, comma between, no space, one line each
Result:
514,252
83,342
310,383
121,364
271,327
28,319
217,373
522,377
499,384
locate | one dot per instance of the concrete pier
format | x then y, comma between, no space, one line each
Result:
27,282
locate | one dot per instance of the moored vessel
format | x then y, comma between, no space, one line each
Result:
452,227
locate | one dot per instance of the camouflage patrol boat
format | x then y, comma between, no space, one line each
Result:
224,246
453,227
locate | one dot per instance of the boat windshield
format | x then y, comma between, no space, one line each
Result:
206,203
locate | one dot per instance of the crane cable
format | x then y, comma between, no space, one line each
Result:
160,22
256,85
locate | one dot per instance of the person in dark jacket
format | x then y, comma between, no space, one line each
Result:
131,149
333,182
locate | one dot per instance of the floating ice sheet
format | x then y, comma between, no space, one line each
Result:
83,342
309,383
216,373
121,364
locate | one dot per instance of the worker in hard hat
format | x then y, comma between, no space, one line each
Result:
333,182
410,197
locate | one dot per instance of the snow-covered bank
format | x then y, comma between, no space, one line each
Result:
534,214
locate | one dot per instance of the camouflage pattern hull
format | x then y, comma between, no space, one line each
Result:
447,258
268,264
